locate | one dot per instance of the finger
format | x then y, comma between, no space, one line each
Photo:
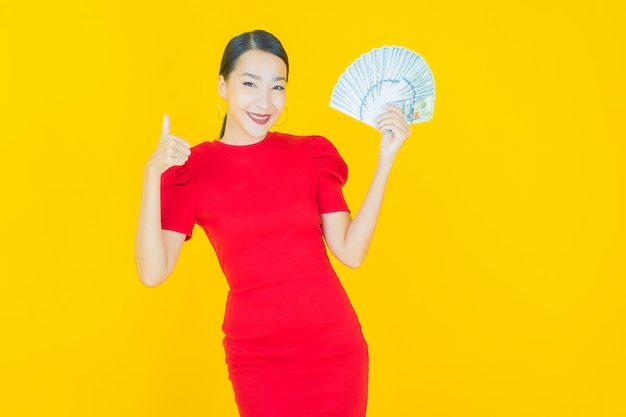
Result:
391,131
399,130
392,108
179,140
177,147
394,119
386,121
176,159
390,121
165,127
393,112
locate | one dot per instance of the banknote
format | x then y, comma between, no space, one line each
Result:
416,110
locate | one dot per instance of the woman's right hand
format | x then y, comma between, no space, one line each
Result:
156,250
171,151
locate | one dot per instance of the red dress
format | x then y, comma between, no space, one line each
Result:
293,343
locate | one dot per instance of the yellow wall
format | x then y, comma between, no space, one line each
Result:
495,285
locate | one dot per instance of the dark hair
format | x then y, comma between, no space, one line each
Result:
257,39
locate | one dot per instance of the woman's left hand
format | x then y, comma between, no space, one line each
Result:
395,130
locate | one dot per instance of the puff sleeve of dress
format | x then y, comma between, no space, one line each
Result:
332,174
178,200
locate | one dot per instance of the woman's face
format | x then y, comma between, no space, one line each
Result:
255,92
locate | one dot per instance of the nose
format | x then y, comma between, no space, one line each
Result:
262,101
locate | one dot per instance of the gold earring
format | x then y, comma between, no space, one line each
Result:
286,113
218,111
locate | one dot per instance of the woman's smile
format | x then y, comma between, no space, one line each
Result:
259,118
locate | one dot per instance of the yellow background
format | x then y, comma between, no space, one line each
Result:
495,285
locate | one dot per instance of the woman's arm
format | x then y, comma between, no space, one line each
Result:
349,239
157,250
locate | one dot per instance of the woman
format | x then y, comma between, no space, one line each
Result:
268,201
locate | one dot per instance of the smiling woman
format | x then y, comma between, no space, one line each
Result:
269,202
262,45
255,91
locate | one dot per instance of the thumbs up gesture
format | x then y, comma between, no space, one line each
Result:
170,151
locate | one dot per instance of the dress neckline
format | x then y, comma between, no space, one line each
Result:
245,148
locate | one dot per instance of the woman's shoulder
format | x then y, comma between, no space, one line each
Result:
318,147
202,147
313,142
322,152
200,152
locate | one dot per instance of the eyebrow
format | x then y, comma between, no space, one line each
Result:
256,77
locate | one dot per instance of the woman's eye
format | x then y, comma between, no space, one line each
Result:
249,83
279,87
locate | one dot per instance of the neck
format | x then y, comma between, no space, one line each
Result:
239,138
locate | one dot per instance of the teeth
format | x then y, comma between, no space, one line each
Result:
254,116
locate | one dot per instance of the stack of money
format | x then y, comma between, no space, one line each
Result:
386,75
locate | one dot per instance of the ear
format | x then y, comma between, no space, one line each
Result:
221,87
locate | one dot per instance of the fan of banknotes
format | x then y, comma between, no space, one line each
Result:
386,75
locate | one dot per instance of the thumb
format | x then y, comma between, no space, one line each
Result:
165,128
